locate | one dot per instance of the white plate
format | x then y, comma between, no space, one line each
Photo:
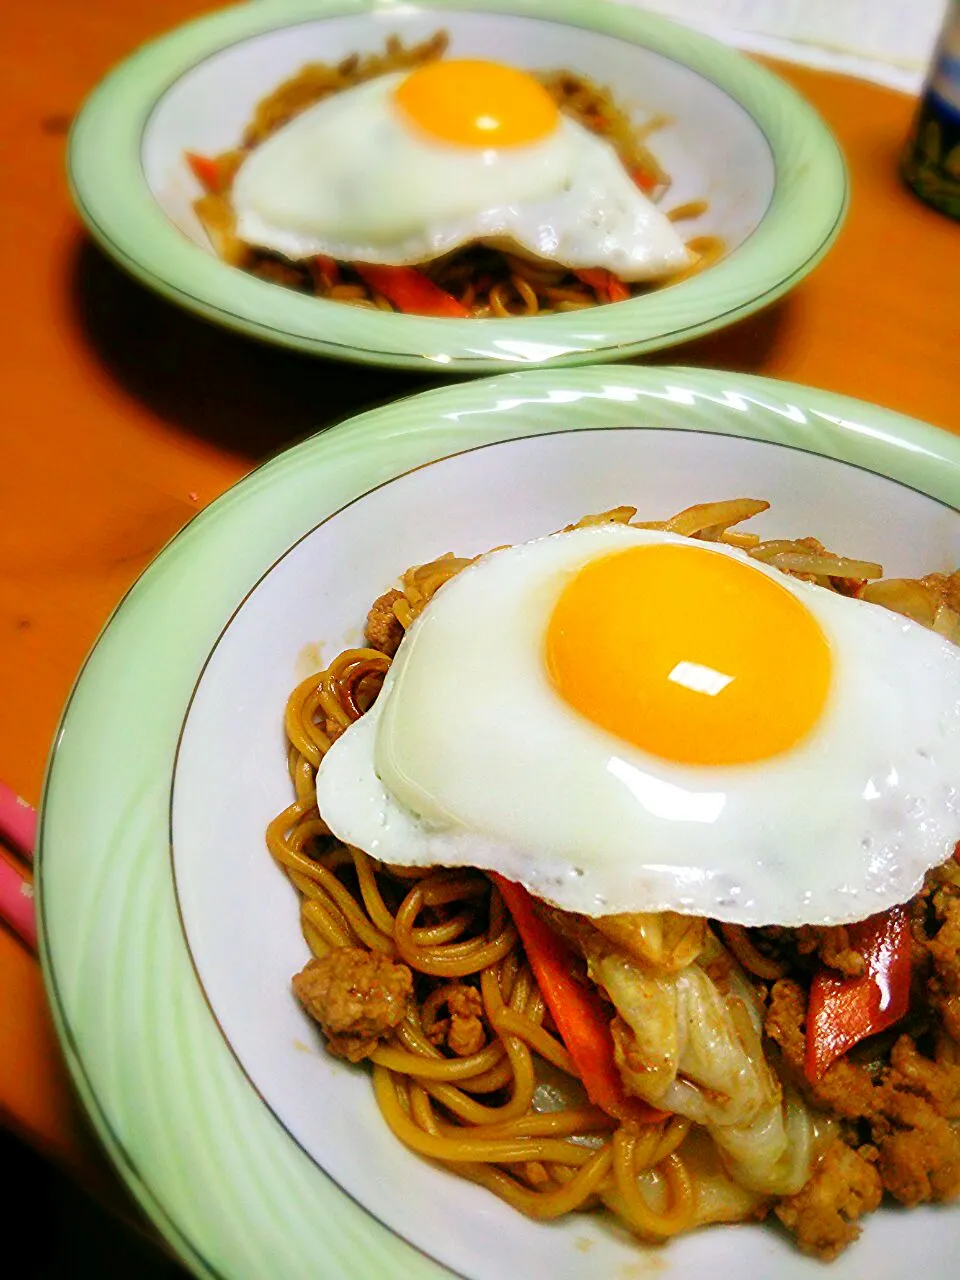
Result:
254,1152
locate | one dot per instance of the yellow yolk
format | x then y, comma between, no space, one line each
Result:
477,104
690,655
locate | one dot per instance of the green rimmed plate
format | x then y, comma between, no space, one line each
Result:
138,965
770,169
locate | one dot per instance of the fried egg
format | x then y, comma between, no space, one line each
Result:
627,720
410,166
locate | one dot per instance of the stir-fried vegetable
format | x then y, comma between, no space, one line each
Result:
582,1018
605,282
410,290
215,173
844,1011
204,169
326,270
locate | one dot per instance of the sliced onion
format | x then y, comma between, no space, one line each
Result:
217,218
947,623
907,596
793,557
708,520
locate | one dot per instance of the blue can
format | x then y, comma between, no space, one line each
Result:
931,163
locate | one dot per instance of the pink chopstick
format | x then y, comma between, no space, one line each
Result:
18,822
16,903
18,829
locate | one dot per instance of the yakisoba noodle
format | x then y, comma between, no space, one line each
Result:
488,282
436,1105
503,1105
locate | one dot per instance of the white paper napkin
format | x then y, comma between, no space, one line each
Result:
887,41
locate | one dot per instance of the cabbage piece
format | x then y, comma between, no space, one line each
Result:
689,1041
663,939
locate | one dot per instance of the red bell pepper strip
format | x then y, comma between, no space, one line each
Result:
604,282
647,182
205,170
582,1018
410,290
843,1011
327,269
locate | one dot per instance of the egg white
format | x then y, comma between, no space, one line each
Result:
350,178
470,758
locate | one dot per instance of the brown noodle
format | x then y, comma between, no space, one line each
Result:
447,925
486,281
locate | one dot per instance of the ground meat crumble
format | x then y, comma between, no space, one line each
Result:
357,996
823,1216
384,630
897,1098
462,1031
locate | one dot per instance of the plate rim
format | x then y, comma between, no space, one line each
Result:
112,198
840,427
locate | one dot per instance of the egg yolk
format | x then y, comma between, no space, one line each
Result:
689,654
477,104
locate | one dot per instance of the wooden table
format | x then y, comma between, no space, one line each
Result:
124,416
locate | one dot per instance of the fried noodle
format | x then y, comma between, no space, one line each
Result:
486,281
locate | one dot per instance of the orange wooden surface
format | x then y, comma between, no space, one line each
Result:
122,415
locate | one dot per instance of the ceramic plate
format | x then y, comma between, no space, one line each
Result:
736,135
168,936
